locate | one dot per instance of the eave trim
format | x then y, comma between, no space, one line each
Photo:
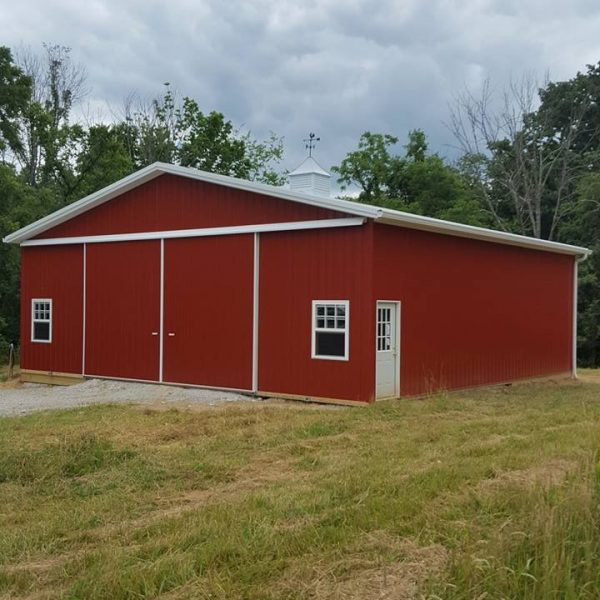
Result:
397,218
204,232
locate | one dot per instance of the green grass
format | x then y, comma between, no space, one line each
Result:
486,494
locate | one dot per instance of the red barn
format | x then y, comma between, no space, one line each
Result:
173,275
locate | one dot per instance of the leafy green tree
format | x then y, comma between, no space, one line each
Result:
89,160
527,168
583,229
578,97
20,204
15,92
180,133
57,84
372,167
416,182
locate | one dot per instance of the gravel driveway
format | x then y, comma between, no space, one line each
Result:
31,397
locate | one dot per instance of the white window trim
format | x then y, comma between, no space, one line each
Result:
346,330
34,320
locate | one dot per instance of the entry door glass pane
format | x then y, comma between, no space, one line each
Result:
384,329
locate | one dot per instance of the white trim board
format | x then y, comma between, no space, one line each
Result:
383,215
255,310
161,326
204,232
84,309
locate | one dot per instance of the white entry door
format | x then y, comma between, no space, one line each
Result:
387,349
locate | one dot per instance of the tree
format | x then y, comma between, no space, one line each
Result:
584,229
181,133
57,84
20,204
372,167
579,95
15,92
417,182
525,171
90,159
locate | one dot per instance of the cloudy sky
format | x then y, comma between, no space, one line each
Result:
336,67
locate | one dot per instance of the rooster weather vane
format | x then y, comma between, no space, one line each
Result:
311,142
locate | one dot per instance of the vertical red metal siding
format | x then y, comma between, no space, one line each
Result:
123,309
53,272
208,306
169,202
474,312
295,269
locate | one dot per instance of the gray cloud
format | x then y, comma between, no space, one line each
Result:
334,67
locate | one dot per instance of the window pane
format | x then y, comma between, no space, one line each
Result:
340,323
330,344
320,323
330,310
320,310
340,311
41,331
330,323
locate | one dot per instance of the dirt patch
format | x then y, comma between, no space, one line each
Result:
11,384
353,578
588,377
547,475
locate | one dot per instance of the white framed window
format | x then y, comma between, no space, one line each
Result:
330,329
41,320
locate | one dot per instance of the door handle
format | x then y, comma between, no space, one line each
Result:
155,333
171,334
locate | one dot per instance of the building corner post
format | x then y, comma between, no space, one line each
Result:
576,262
574,334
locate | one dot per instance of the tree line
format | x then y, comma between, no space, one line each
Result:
528,161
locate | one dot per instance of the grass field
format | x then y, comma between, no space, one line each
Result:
485,494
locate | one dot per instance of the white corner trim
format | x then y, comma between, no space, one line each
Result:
84,310
575,301
161,330
574,340
207,231
255,311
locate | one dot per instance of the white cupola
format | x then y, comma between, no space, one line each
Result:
310,177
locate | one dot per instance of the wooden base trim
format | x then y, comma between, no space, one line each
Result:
495,384
50,377
314,399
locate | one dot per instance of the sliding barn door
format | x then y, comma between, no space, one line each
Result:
208,311
122,310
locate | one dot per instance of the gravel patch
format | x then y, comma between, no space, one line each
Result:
31,397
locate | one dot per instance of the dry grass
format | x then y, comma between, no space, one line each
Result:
485,494
13,382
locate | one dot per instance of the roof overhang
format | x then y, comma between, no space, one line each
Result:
377,214
392,217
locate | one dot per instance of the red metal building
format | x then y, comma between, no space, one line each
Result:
174,275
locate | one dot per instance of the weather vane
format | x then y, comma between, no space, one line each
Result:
311,142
